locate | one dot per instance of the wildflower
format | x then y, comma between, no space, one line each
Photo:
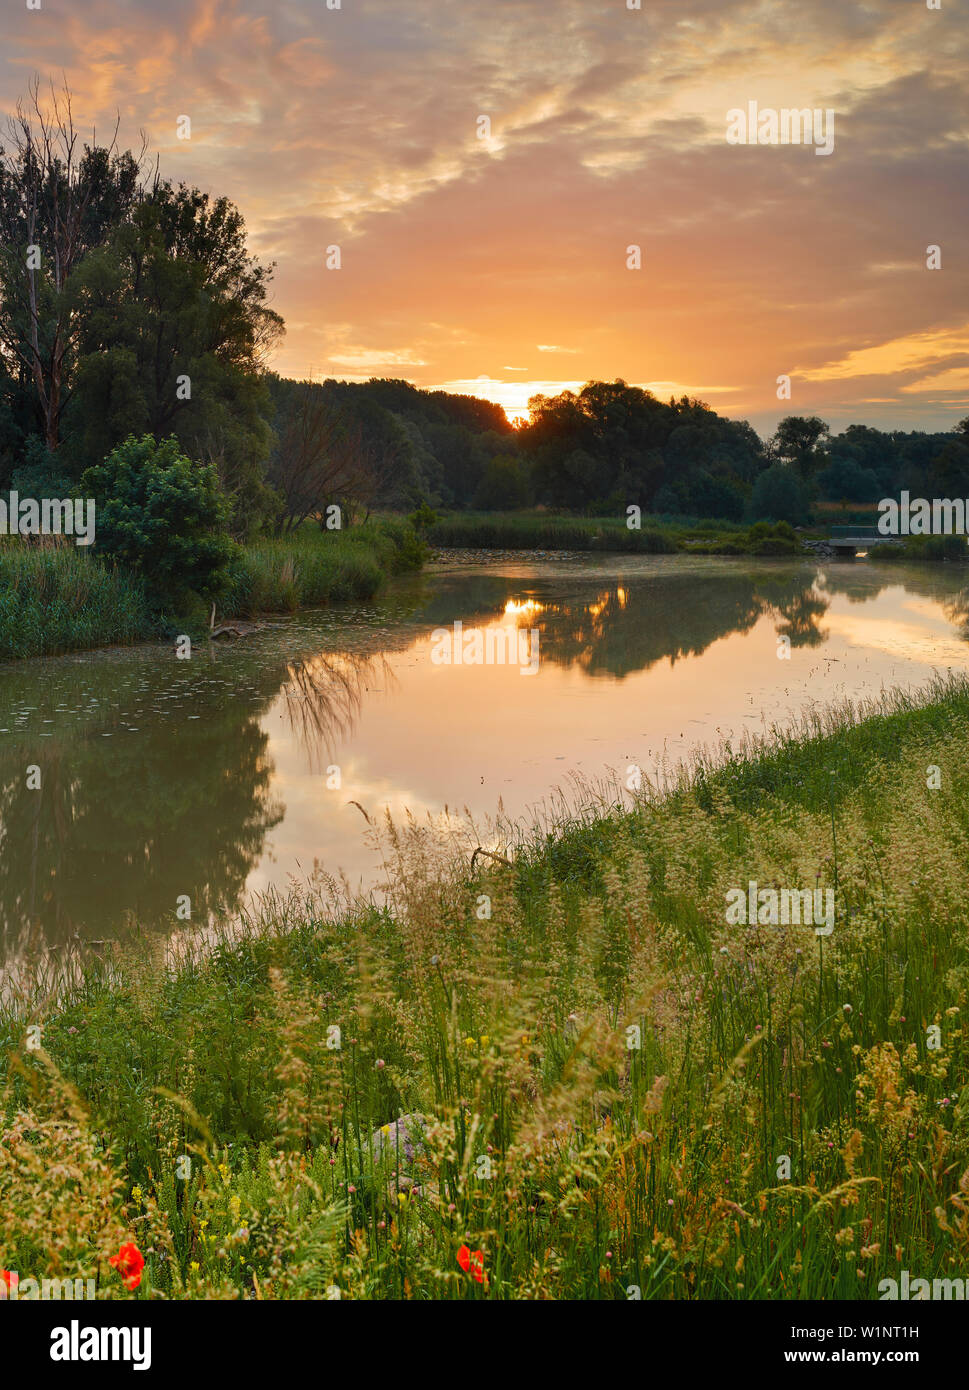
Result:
11,1279
129,1262
469,1042
224,1170
194,1266
380,1064
472,1262
136,1194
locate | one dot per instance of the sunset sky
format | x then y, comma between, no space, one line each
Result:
498,266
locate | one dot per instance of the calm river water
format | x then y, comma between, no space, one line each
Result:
236,771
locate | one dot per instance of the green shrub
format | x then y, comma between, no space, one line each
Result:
924,548
164,517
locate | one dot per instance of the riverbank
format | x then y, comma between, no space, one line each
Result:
65,599
665,535
617,1087
657,535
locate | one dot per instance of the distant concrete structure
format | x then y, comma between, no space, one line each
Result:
846,541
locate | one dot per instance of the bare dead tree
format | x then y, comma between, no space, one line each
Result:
375,464
314,462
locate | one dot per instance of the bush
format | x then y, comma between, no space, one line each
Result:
924,548
424,517
164,517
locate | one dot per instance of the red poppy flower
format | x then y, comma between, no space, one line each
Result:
11,1278
472,1262
129,1262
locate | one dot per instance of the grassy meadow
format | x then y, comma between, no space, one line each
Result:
560,1077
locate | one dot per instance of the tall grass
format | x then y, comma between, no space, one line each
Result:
490,532
603,1084
931,548
313,567
65,599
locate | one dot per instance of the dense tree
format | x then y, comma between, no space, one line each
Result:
59,200
797,441
779,494
175,329
503,486
613,444
846,480
127,306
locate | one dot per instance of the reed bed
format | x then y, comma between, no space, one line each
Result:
63,599
490,532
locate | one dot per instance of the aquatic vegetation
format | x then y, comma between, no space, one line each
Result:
64,599
487,531
61,599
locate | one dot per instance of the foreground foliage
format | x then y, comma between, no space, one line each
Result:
539,1154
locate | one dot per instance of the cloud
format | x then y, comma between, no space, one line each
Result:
358,127
372,359
913,352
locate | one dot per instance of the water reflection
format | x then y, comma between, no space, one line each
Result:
323,695
208,778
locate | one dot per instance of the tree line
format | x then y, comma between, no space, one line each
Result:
131,306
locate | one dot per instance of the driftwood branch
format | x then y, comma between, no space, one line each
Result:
489,854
